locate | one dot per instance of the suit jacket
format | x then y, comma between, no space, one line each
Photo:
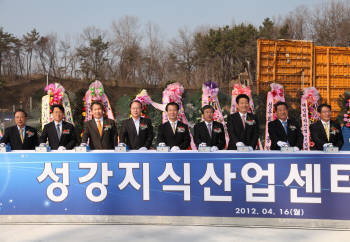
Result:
68,136
217,138
109,138
276,132
129,136
181,137
237,133
13,138
319,136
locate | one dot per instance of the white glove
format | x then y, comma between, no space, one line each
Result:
282,144
162,144
61,148
295,148
83,144
214,149
327,145
240,144
42,144
175,148
250,148
143,148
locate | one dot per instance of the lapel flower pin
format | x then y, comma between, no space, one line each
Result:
250,121
143,126
180,129
217,130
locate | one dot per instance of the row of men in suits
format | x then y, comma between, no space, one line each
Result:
137,132
60,134
286,131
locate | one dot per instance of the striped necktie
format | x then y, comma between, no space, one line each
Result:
58,131
173,127
326,129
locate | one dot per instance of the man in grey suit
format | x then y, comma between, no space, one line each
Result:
100,131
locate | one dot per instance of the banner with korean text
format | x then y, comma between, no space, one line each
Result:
308,185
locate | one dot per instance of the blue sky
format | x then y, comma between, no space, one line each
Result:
72,16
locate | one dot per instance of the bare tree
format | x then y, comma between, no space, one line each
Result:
18,56
183,50
92,32
126,42
330,23
127,32
92,53
29,40
64,50
153,55
296,25
46,49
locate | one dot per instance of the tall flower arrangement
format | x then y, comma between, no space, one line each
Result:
241,89
347,114
210,91
96,93
55,92
275,95
145,100
55,95
309,115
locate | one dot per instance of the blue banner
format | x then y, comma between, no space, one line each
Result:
311,185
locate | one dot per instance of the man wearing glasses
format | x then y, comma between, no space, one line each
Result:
326,132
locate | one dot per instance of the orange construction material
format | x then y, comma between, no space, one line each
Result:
296,64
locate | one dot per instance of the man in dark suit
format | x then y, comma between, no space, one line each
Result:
174,133
209,131
242,127
325,131
136,132
99,131
283,130
20,136
61,134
